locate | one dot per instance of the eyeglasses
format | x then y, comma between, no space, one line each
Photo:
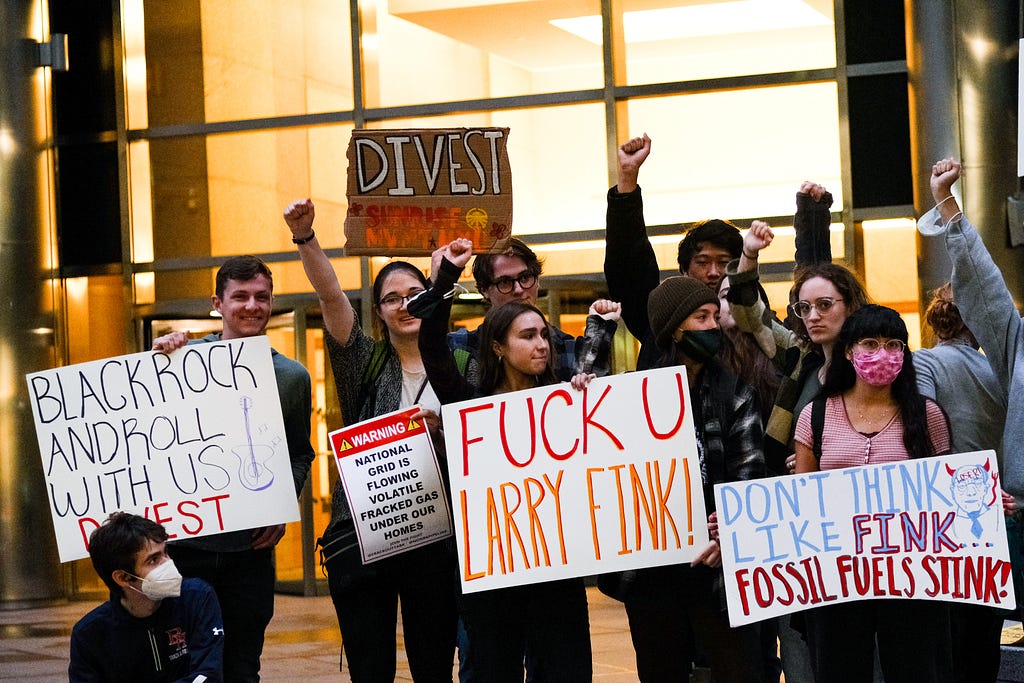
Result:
505,285
802,309
890,345
396,300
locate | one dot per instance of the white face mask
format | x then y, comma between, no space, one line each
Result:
163,582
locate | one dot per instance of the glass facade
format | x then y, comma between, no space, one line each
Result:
229,109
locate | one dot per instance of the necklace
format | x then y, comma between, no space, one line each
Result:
872,421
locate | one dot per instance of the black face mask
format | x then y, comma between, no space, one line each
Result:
701,345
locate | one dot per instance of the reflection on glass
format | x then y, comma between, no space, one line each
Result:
419,51
220,60
665,42
739,153
557,156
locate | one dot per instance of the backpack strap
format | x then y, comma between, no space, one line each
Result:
817,424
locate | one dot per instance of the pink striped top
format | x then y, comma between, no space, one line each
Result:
843,446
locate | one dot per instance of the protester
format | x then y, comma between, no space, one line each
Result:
987,308
826,295
514,275
630,265
549,620
240,564
375,378
156,626
869,412
989,311
663,602
957,376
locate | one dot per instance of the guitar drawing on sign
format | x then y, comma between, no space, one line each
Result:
252,458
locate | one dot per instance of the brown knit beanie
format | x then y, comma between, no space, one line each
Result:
672,302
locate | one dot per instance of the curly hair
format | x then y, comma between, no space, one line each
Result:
873,320
849,287
944,316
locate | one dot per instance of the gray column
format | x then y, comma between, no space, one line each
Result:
962,63
29,571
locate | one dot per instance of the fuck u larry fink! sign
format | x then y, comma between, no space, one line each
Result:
553,483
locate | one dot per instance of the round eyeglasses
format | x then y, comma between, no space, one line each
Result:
505,285
890,345
802,309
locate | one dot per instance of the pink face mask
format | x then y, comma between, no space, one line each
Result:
879,368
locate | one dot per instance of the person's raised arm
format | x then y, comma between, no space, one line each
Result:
811,224
594,348
339,317
631,155
630,265
944,174
435,309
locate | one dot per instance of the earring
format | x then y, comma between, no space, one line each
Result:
501,360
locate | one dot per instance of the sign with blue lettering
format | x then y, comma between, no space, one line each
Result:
392,483
929,529
193,440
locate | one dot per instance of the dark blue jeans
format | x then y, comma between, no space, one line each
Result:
366,601
244,583
549,620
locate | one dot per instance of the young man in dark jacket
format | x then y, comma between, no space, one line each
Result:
156,626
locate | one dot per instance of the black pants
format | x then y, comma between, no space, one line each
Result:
366,602
977,631
549,620
913,639
664,603
244,583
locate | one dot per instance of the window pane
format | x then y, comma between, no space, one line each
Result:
224,194
684,42
419,51
557,156
737,154
219,60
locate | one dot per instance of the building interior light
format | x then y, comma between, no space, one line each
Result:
695,21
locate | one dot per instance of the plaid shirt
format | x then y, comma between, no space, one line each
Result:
728,429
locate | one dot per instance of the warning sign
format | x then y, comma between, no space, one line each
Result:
393,484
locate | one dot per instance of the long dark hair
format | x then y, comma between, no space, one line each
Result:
495,328
380,330
744,358
879,321
850,290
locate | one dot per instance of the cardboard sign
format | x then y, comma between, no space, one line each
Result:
928,529
552,483
411,191
193,440
393,484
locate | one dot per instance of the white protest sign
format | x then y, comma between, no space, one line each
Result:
193,440
929,529
393,484
553,483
